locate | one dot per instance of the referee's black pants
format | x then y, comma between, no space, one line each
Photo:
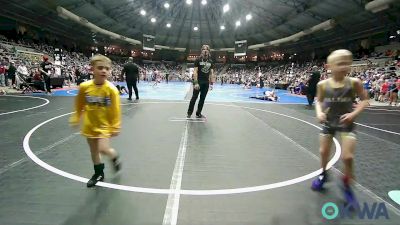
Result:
203,93
132,83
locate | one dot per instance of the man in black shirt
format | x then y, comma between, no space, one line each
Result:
45,67
167,76
78,76
131,72
312,85
11,74
203,76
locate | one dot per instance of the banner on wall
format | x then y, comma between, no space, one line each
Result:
148,42
240,48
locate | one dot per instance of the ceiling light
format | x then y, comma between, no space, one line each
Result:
168,25
237,23
166,5
142,12
222,27
203,2
188,2
248,17
225,8
195,28
153,20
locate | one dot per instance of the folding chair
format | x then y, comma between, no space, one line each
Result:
27,85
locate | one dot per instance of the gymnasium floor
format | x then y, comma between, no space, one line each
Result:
248,163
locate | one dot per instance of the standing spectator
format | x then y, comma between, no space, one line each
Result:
384,91
2,74
45,68
394,89
11,74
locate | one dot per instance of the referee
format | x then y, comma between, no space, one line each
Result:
312,86
131,72
203,79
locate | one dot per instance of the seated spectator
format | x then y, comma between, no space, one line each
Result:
38,82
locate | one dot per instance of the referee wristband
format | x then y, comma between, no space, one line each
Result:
195,82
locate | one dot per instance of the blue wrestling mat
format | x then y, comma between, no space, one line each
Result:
179,90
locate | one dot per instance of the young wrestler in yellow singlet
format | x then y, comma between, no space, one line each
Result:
98,103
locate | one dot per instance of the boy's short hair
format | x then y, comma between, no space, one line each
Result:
339,53
99,58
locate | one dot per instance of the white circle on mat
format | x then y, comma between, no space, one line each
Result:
311,175
21,110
